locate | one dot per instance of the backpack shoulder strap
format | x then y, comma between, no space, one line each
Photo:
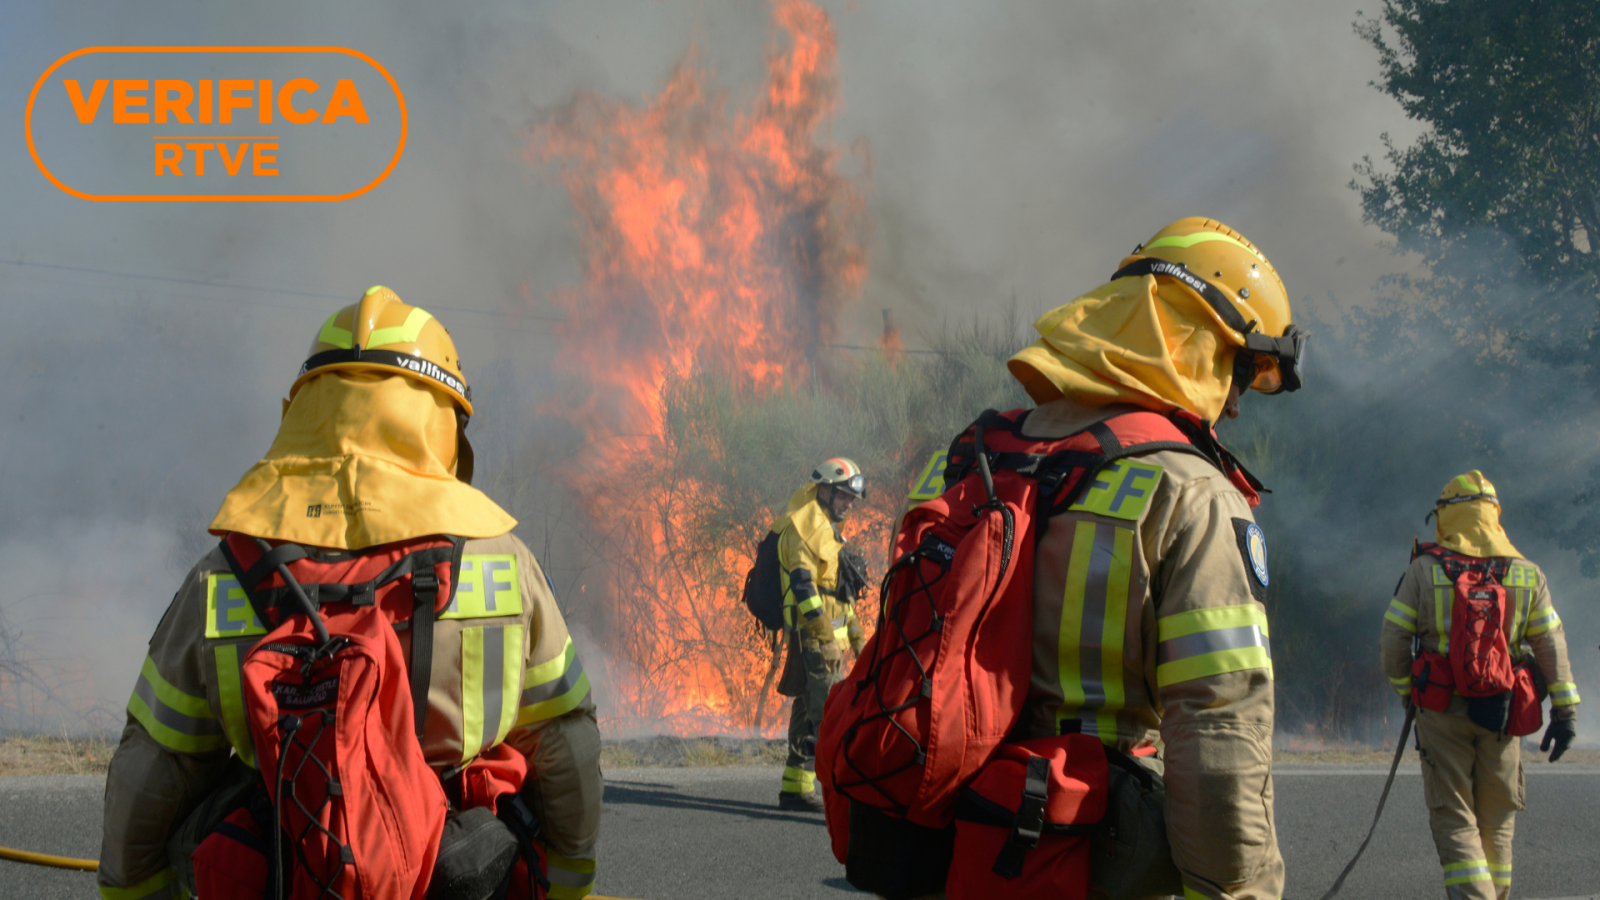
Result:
261,568
425,591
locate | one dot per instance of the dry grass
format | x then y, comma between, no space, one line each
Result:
55,755
697,752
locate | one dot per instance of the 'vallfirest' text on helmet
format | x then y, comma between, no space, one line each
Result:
843,475
382,333
1240,288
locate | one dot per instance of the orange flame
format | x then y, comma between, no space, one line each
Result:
708,244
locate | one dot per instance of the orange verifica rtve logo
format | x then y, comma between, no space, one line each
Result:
216,123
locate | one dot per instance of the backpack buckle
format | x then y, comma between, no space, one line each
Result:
425,586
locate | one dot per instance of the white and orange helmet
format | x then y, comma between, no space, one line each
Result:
842,474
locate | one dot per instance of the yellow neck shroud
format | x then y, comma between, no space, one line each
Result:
1474,529
360,460
1133,340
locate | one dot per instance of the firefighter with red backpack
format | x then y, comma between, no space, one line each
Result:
1472,642
366,689
1070,692
820,576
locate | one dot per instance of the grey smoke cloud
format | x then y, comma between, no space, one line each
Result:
1015,150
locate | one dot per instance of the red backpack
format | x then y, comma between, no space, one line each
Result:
351,807
942,681
1477,663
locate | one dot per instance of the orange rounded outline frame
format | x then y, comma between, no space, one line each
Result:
214,198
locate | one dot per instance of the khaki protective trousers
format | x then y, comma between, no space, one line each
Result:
800,770
1472,781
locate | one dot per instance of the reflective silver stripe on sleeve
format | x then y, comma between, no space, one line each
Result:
551,689
172,718
1202,642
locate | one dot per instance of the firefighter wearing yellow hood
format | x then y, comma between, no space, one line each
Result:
1149,626
370,450
1472,775
821,576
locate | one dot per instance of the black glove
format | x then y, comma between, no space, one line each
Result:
853,572
1561,732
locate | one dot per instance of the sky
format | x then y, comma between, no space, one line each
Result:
1016,153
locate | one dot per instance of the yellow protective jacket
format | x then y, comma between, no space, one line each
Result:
808,555
1421,609
186,714
1149,627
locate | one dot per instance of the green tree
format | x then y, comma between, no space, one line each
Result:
1511,94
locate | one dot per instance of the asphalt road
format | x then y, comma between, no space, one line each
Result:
715,834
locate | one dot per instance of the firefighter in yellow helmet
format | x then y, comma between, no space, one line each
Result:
1471,766
370,451
821,576
1149,627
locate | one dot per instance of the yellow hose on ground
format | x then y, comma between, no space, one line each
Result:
45,859
93,865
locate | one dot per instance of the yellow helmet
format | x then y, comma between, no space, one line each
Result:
1466,488
381,333
1240,288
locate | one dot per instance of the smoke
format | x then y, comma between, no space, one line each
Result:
1016,152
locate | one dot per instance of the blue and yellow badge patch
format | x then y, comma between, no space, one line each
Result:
1256,550
1253,547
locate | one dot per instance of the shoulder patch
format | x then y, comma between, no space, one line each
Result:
228,612
930,483
1120,490
1253,548
1522,577
488,588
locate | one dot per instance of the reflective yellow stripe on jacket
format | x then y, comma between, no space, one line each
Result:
1564,693
230,688
161,886
1090,644
553,688
491,676
1204,642
570,879
1542,621
179,722
1402,615
1441,608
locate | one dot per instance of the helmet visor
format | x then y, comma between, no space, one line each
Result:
856,485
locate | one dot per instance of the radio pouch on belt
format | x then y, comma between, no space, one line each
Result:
1023,824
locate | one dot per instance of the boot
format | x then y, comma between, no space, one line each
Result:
788,800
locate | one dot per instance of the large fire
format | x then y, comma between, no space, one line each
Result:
711,243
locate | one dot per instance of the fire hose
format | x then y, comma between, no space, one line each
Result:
91,865
1399,750
45,859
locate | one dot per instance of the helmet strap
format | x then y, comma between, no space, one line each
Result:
464,455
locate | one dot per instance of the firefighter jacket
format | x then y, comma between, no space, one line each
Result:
808,557
1149,625
504,670
1420,610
